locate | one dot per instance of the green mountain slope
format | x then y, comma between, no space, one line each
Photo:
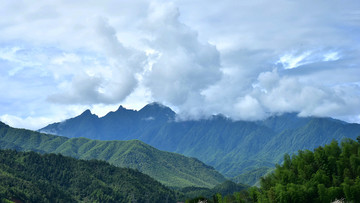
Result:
316,132
251,177
327,174
231,147
170,169
31,177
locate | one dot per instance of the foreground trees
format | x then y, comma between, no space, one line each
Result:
326,174
31,177
329,173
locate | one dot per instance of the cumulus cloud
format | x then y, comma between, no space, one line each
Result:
288,94
184,66
109,82
243,59
248,108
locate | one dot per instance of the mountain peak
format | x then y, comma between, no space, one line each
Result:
3,124
86,112
121,108
157,110
157,104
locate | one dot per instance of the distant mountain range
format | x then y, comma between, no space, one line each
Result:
232,147
171,169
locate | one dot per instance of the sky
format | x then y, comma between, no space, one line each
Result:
244,59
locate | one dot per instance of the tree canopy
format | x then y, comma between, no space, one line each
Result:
326,174
31,177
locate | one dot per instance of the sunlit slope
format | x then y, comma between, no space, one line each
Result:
169,168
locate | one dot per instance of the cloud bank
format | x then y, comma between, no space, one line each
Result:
246,60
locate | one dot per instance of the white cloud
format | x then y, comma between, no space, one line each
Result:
331,56
290,61
110,83
289,94
39,116
248,108
27,123
245,59
185,66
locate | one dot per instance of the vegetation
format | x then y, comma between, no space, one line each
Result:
169,168
252,177
327,174
225,189
231,147
236,197
31,177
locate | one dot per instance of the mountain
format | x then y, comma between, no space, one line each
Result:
121,123
31,177
252,177
231,147
171,169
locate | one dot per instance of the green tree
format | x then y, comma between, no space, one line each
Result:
328,173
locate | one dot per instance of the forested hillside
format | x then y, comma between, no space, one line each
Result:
324,175
169,168
328,174
252,177
31,177
231,147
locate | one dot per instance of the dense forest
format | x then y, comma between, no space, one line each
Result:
326,174
171,169
226,188
329,173
31,177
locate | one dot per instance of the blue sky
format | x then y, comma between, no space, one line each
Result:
244,59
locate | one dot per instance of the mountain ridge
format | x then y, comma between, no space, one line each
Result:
231,147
